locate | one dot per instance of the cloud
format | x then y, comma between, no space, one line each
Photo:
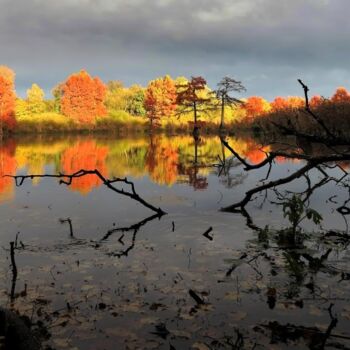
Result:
263,42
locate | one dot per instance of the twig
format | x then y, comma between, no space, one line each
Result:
206,233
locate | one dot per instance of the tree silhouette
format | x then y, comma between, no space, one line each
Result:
225,87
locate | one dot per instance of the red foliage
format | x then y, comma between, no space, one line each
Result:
279,103
88,156
189,93
8,166
83,98
255,106
341,95
7,98
316,101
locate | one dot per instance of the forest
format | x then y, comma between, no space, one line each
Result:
86,103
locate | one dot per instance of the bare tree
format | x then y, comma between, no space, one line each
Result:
226,86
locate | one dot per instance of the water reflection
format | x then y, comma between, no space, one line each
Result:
165,160
116,274
7,166
84,154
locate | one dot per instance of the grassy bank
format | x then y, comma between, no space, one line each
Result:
118,122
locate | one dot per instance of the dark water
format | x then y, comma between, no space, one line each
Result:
130,290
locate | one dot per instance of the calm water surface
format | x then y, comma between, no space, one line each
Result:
130,289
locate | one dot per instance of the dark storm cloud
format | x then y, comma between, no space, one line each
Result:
265,43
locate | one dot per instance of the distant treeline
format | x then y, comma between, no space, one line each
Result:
83,102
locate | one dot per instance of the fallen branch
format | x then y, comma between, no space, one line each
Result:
68,178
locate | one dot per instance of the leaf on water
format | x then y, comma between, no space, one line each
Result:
148,320
86,287
315,311
156,306
200,346
181,334
231,296
238,315
61,342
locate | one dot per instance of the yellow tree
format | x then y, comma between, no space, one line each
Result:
160,99
35,99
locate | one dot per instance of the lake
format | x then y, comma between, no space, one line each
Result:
98,270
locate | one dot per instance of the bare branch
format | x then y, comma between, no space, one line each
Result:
68,178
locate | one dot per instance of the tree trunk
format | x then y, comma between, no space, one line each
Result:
222,113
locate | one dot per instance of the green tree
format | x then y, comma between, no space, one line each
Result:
135,103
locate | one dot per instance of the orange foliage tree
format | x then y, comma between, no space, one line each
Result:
85,155
255,106
7,98
341,95
316,101
83,98
278,104
160,99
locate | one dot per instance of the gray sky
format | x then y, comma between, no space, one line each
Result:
267,44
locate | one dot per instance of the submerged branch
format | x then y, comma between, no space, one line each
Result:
312,163
68,178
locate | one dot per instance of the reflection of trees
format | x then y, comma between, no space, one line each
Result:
85,154
162,160
8,165
108,245
192,169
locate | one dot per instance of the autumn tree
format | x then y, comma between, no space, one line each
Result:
255,106
7,98
226,86
316,101
35,99
194,97
160,99
83,98
295,102
279,104
117,96
341,95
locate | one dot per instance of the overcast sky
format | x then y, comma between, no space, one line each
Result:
267,44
